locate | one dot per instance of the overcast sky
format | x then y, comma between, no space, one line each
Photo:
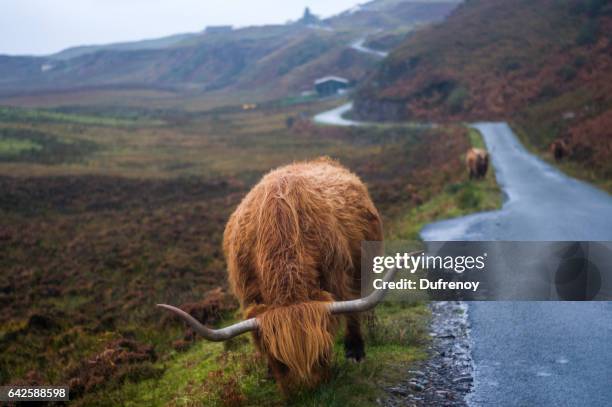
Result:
47,26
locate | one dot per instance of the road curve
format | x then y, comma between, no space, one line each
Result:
335,117
359,46
533,353
537,353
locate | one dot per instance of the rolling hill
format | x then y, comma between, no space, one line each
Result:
276,59
545,66
156,43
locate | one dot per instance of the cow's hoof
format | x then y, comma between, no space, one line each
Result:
355,354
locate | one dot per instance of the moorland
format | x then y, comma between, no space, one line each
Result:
104,216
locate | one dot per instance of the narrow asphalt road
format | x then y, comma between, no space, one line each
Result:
359,46
335,117
537,353
533,353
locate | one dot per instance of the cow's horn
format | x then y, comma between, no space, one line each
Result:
251,324
366,303
215,335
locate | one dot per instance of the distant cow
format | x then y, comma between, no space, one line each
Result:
293,249
477,161
559,149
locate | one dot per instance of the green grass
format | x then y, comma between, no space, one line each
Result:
458,199
14,146
13,114
231,373
18,144
476,138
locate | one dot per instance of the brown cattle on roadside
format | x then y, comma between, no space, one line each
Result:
293,249
559,149
477,161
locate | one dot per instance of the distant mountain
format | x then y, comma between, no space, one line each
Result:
158,43
546,65
277,59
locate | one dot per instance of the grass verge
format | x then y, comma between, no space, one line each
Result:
232,374
457,199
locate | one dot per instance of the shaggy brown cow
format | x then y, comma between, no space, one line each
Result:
559,149
477,161
293,248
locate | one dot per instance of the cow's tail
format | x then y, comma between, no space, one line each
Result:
300,336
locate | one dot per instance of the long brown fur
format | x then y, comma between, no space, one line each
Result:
300,336
293,244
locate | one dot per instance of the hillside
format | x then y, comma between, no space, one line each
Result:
545,66
156,43
273,59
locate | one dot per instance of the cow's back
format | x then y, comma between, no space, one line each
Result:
298,232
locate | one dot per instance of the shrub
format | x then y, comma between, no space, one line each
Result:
580,61
588,33
577,7
567,73
511,64
595,7
457,98
289,122
468,198
548,91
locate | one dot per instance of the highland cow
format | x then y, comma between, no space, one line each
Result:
477,161
293,250
559,149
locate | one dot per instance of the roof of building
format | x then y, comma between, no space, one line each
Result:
331,78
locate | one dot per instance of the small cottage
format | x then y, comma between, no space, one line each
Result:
330,85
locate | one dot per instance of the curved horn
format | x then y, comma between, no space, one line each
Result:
215,335
366,303
251,324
